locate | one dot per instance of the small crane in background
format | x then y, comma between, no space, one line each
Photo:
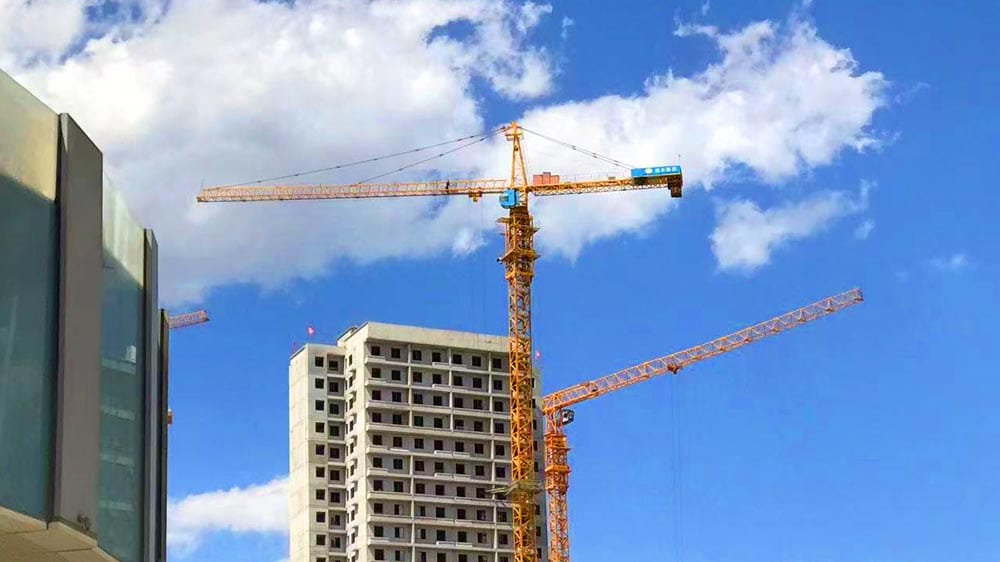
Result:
188,319
184,321
518,259
557,413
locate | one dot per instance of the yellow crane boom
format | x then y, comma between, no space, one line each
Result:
556,412
471,188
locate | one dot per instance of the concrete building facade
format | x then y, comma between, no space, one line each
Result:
83,349
400,448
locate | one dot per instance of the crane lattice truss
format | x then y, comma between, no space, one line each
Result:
518,260
555,406
189,319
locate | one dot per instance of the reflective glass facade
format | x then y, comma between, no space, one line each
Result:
28,297
122,382
82,349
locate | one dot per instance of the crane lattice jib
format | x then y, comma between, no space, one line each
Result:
557,468
471,188
189,319
676,361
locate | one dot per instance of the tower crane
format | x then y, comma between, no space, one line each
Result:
518,259
557,413
183,321
188,319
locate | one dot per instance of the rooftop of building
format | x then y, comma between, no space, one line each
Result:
432,337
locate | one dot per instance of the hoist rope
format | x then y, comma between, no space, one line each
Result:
678,472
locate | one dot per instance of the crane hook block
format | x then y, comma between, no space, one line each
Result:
509,199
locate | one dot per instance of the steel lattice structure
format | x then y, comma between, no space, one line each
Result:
518,260
189,319
555,406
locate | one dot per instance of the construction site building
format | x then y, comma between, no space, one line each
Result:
400,449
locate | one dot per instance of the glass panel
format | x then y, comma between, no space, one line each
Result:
122,383
28,305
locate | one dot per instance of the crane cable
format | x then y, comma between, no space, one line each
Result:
678,469
582,150
480,137
475,139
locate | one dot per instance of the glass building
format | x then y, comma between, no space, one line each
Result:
83,347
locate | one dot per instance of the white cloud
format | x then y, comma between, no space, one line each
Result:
217,91
746,236
531,15
254,509
705,7
864,230
272,87
567,22
41,29
955,262
780,102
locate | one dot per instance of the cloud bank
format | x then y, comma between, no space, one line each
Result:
187,93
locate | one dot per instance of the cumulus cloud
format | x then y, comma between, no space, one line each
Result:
272,87
39,30
255,509
779,103
746,236
208,92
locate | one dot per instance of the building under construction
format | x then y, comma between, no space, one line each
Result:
400,448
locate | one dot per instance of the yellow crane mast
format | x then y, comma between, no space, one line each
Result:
518,260
556,412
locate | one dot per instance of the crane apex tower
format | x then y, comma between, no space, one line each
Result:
400,448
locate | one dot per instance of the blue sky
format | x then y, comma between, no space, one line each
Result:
869,436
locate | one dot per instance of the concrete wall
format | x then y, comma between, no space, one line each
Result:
355,348
78,412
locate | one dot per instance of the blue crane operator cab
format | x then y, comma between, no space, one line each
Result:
509,199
